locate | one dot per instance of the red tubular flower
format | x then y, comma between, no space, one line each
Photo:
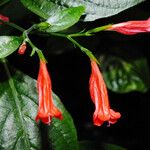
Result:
46,109
99,96
4,18
131,27
22,48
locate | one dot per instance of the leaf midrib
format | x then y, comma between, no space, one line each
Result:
17,103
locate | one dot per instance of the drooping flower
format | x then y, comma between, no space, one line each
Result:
22,48
46,109
99,96
3,18
131,27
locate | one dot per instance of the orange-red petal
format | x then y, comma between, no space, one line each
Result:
99,96
131,27
46,109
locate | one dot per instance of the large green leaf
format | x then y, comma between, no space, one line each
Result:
122,76
63,133
18,108
95,9
58,17
64,19
8,44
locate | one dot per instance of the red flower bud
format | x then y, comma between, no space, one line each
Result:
22,48
4,18
131,27
46,109
99,96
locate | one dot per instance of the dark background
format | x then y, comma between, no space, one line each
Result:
70,71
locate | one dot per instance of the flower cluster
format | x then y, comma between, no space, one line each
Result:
98,92
97,87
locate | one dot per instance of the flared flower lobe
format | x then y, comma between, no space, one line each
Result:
99,96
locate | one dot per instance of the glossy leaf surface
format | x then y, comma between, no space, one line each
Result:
8,44
18,108
58,16
95,9
64,19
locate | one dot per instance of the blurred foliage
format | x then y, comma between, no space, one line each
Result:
125,76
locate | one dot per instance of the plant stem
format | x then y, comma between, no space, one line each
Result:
59,34
98,29
13,25
80,34
31,28
83,49
71,35
87,33
34,48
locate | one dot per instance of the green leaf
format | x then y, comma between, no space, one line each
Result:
64,19
122,76
18,109
43,8
8,44
95,9
63,133
57,16
90,145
